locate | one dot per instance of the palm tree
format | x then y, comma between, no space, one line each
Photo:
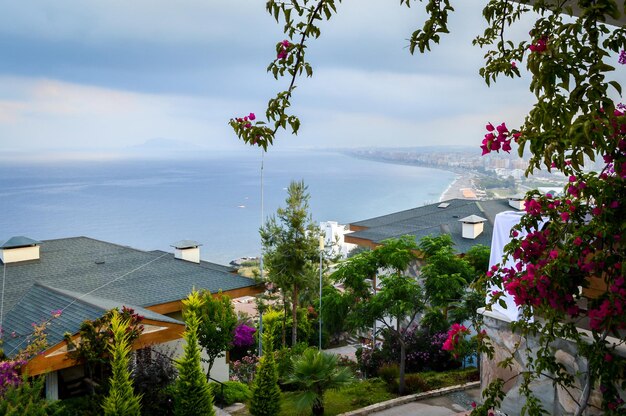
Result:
315,372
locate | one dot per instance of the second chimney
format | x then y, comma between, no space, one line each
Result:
187,250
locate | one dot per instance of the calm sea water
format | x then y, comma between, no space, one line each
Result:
149,204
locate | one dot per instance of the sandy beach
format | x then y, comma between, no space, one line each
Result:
462,187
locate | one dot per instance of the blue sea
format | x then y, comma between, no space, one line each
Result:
149,204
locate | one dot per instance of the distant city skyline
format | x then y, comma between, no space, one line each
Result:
97,77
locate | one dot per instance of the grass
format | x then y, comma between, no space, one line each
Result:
355,396
436,380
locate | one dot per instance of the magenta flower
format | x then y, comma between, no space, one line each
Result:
490,127
622,57
251,116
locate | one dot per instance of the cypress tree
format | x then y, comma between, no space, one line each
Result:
193,395
121,400
265,391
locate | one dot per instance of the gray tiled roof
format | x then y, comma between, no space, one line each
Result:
40,301
110,271
432,220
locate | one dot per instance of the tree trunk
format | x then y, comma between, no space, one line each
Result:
294,316
284,331
401,383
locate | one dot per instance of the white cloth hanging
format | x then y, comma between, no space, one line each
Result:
503,223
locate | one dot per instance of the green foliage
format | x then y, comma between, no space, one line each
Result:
290,242
335,309
415,383
284,361
233,392
83,406
478,257
399,296
121,399
95,338
193,395
354,396
153,374
217,323
26,400
266,399
315,372
389,373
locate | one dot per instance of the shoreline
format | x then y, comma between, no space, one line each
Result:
462,187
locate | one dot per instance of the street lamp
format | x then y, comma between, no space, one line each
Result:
321,270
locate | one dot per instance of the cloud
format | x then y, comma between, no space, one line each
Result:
49,114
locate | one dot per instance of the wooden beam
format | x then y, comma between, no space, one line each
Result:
53,359
360,241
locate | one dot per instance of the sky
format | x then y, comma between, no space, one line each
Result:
97,77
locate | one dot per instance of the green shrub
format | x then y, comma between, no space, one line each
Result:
234,392
26,400
265,391
389,373
415,383
83,406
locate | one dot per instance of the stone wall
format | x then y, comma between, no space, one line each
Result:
555,400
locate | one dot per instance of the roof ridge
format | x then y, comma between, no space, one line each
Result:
69,293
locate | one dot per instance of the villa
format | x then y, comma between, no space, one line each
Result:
80,278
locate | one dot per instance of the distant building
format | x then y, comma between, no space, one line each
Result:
468,222
334,238
83,278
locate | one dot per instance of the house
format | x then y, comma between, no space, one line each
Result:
468,222
82,278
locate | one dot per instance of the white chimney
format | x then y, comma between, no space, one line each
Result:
472,226
187,250
518,202
19,248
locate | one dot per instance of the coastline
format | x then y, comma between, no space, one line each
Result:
462,187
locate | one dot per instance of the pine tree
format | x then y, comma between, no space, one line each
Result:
121,400
193,395
265,391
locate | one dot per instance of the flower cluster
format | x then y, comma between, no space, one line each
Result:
622,57
243,335
10,374
455,335
283,49
540,45
245,122
498,138
244,370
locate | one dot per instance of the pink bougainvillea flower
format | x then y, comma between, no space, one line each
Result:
502,128
564,216
622,57
513,65
490,127
251,116
286,43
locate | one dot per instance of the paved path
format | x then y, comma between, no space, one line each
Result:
458,403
